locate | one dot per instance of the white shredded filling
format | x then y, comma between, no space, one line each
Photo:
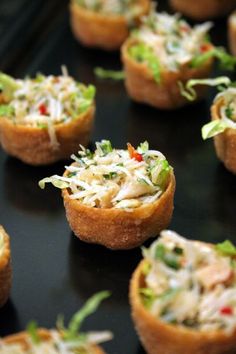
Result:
47,101
128,8
172,39
198,292
115,179
56,345
228,108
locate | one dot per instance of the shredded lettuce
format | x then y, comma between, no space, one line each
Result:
55,182
167,257
143,147
189,92
213,128
148,296
104,146
8,86
142,53
226,60
109,74
227,248
32,329
91,305
6,110
160,173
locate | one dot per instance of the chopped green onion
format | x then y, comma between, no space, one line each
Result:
110,175
143,147
148,296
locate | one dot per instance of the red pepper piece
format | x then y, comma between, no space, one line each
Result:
227,311
134,154
205,47
43,109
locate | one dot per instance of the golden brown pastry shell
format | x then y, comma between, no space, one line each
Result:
201,9
142,87
94,29
232,33
159,337
118,228
21,339
5,269
32,145
225,143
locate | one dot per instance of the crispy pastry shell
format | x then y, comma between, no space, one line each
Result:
118,228
5,269
32,145
94,29
202,9
159,337
21,339
225,143
232,33
142,87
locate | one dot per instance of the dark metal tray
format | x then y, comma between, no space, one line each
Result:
53,271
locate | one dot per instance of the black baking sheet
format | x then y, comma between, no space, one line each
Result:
53,271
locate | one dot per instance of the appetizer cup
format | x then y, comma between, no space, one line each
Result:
232,32
223,127
117,198
163,52
201,9
5,266
108,26
61,340
45,119
183,297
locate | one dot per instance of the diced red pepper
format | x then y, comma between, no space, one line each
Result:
205,47
43,109
134,154
227,311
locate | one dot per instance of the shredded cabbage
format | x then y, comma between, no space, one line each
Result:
167,41
191,283
44,102
112,178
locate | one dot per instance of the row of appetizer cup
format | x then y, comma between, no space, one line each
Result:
183,294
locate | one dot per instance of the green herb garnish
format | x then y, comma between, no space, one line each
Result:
109,74
6,110
144,54
213,128
226,248
32,329
148,296
72,331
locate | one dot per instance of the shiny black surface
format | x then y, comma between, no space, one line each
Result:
53,271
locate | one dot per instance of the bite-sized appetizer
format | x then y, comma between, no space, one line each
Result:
5,266
44,119
165,51
105,23
62,340
183,297
223,127
117,198
203,9
232,32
